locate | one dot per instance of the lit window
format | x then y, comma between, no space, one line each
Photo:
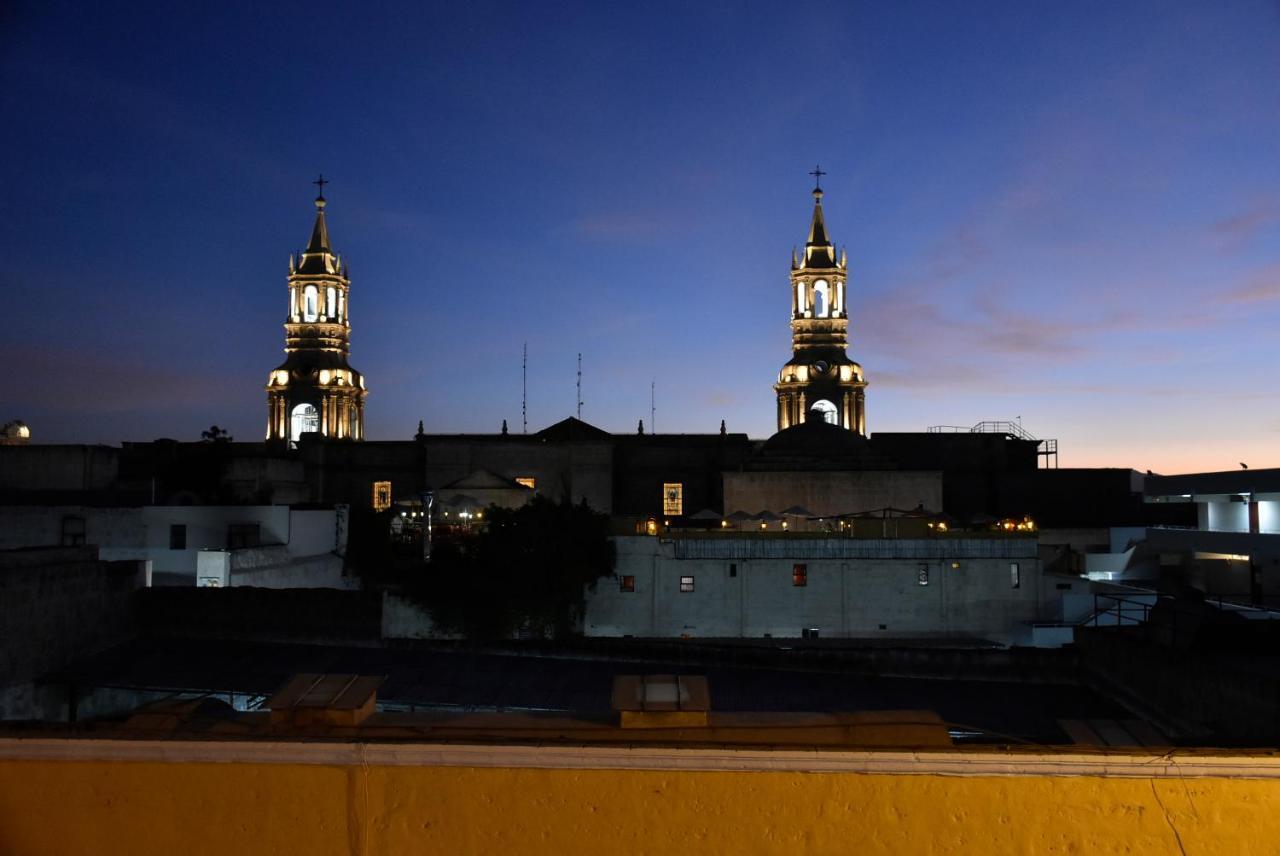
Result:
381,495
628,583
686,585
72,531
331,302
310,303
820,299
178,536
305,418
922,576
826,411
528,481
1015,576
800,301
799,575
673,499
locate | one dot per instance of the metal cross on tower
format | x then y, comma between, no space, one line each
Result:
817,177
320,183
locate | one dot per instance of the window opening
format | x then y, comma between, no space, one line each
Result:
826,411
673,498
686,585
178,536
628,583
799,575
305,418
820,299
310,303
73,532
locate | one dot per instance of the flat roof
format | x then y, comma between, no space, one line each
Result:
468,681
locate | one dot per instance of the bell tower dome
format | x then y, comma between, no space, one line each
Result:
820,381
314,390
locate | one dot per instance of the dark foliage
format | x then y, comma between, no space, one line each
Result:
215,435
528,567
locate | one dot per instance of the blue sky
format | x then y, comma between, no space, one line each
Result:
1067,212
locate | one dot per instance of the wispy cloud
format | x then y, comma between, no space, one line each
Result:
626,225
1236,230
85,382
1260,286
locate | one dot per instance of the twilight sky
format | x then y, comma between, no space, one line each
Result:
1068,212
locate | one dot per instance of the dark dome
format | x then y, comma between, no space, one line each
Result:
818,445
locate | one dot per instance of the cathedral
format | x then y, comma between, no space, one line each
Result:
314,390
820,382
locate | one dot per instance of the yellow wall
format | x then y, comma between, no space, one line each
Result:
228,809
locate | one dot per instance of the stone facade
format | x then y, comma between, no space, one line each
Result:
314,390
820,381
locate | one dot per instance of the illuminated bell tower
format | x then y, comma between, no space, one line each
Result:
314,390
820,381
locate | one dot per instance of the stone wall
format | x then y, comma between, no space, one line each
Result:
831,493
57,605
746,587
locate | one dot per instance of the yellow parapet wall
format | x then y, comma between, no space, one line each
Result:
191,798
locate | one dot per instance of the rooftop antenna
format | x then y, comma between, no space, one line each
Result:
524,390
653,428
579,384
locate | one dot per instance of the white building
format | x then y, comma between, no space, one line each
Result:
270,546
760,586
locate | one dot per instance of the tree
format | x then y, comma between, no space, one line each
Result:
531,564
215,435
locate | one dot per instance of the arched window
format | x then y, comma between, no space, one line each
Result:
821,299
293,304
305,418
800,301
310,303
826,411
342,305
331,303
837,302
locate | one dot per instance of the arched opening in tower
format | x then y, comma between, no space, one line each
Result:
826,411
305,418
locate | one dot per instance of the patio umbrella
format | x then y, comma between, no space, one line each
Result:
767,516
739,517
705,514
797,511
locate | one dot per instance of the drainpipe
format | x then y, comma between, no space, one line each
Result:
428,500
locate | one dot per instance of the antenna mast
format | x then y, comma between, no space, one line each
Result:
524,390
579,384
653,428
